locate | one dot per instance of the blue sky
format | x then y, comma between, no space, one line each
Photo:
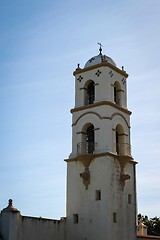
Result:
41,42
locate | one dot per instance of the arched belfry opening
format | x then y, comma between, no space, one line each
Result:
90,139
120,141
90,93
117,93
123,148
87,146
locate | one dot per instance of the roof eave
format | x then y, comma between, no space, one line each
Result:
103,64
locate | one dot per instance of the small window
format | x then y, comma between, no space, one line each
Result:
114,217
98,194
75,218
129,198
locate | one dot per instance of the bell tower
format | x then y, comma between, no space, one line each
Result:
101,184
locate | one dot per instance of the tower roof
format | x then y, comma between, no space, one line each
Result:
99,59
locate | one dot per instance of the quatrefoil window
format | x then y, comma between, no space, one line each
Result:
98,73
111,73
79,78
90,60
123,81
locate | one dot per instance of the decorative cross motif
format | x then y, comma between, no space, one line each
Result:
98,73
123,81
90,60
111,73
100,44
79,78
100,49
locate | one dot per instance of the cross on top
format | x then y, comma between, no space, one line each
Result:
100,49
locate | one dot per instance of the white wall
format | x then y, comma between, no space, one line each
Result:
96,217
14,226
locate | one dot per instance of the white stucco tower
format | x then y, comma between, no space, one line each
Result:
101,186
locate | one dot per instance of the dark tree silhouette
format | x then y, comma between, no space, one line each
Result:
153,224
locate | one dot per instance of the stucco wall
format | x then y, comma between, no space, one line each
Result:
95,217
14,226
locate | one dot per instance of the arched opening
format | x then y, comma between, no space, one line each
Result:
90,93
117,93
90,139
120,145
87,146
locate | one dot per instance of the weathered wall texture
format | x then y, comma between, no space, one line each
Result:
14,226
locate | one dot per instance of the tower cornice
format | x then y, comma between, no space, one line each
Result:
89,157
103,64
101,104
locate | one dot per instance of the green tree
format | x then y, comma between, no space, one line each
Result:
153,224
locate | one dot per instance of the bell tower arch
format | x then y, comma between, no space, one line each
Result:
100,168
89,92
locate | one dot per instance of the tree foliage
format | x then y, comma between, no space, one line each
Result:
153,224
